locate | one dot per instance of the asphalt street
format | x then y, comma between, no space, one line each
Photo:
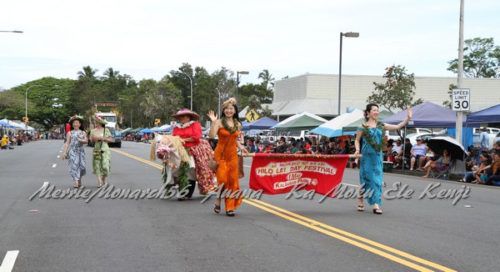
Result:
270,234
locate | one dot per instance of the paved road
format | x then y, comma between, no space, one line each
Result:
270,234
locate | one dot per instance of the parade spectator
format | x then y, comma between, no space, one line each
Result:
397,152
281,146
440,164
480,175
493,174
484,139
418,154
252,148
4,142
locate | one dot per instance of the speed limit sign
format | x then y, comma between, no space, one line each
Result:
460,100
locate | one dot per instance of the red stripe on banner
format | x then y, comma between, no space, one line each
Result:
282,173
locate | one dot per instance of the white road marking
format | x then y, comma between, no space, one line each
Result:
9,260
54,165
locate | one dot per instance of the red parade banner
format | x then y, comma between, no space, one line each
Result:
281,173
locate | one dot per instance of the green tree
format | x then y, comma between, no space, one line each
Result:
481,59
49,102
397,92
161,100
11,105
447,103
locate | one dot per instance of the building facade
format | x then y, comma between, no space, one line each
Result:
318,93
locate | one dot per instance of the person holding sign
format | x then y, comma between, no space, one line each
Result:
228,129
371,164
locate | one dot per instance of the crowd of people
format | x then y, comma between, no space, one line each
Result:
10,139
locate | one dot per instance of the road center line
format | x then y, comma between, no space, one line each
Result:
339,234
9,260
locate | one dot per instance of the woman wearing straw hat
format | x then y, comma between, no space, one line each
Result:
227,128
101,159
74,150
189,130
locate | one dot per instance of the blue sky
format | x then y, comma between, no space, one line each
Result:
147,39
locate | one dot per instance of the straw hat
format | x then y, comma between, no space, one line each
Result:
186,112
76,117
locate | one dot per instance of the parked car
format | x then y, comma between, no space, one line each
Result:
393,134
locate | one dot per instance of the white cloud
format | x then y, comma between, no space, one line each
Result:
147,39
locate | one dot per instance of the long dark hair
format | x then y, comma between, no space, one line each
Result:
368,109
81,124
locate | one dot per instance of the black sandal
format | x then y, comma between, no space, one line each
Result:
216,208
230,213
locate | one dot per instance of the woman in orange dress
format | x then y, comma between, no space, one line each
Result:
228,130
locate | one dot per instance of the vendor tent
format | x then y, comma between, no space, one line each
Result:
262,123
304,120
488,115
426,115
334,127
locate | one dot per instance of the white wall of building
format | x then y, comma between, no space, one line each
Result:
318,93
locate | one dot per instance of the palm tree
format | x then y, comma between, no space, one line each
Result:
111,74
267,78
88,73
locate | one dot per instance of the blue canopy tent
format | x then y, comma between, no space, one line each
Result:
146,131
262,123
488,115
245,125
426,115
4,123
430,115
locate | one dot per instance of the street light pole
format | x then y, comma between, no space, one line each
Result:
26,103
191,82
347,35
460,114
238,73
12,31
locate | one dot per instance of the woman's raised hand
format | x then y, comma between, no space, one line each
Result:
211,114
409,113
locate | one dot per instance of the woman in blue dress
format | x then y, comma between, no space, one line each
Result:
74,150
371,163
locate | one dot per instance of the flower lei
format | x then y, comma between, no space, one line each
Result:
232,129
370,140
185,125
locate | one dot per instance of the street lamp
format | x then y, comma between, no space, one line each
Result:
26,104
12,31
238,73
347,35
191,82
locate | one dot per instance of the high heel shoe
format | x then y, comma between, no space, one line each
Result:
230,213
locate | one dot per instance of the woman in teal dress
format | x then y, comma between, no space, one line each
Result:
101,159
371,163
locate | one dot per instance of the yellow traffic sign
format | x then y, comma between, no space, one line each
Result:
252,115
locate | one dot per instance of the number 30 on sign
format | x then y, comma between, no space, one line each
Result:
460,100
